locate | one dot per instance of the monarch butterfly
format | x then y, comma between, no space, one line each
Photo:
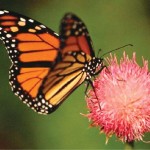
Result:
46,67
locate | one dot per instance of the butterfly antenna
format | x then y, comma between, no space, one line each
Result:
99,52
116,49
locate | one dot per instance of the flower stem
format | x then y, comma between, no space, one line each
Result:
129,145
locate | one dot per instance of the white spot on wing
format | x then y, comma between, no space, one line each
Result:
22,19
31,20
6,11
1,12
13,40
74,26
42,26
8,35
56,33
12,45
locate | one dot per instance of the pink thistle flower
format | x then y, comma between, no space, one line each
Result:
121,105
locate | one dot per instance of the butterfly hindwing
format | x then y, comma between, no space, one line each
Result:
65,77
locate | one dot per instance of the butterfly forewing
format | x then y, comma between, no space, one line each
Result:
26,39
74,35
33,50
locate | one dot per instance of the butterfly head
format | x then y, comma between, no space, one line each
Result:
93,67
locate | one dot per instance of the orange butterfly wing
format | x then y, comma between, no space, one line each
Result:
74,35
33,50
76,49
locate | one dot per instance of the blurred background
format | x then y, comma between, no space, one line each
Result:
111,23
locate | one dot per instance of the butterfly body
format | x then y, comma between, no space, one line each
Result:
47,67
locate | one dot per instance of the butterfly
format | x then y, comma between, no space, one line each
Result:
47,67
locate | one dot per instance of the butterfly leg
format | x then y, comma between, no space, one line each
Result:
87,86
91,83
